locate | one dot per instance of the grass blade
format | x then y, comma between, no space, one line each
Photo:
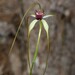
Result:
33,5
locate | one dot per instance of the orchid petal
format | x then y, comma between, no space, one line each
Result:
46,27
32,24
47,16
33,16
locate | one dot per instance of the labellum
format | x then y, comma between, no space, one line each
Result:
39,15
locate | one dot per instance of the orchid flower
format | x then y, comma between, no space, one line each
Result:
39,17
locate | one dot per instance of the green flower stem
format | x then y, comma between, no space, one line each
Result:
36,50
33,5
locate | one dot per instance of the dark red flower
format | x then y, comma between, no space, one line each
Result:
39,15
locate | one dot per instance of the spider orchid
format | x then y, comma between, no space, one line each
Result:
39,17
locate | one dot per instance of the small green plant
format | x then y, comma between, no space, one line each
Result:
42,23
39,17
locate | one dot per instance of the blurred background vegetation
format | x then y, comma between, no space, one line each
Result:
61,31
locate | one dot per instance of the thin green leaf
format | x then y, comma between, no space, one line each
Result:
32,16
33,5
32,24
46,27
47,16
